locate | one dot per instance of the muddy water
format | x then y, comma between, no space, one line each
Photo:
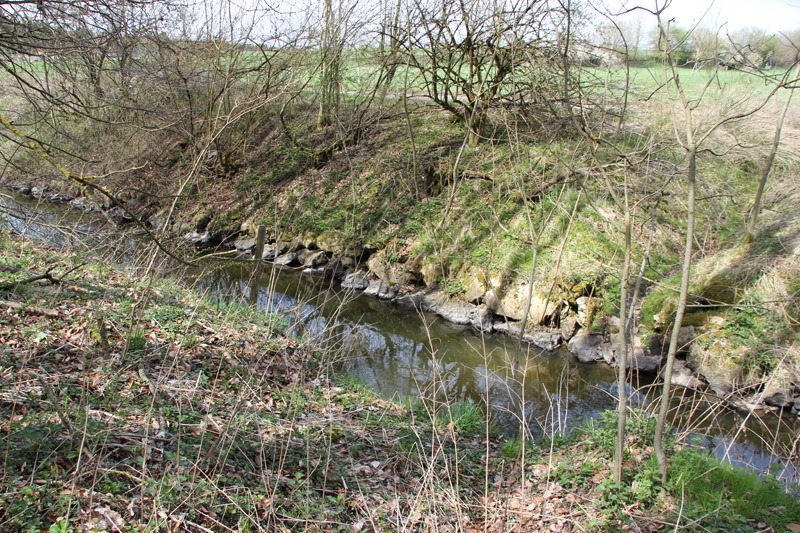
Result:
405,353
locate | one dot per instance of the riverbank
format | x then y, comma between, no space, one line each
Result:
135,404
571,316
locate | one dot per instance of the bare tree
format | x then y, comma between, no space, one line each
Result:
465,51
331,55
751,225
691,134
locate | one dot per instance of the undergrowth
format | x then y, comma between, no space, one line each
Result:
139,405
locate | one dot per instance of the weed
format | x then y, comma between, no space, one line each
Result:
465,417
512,449
137,341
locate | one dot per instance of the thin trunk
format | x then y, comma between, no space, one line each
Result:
676,326
329,83
751,226
408,115
691,148
622,362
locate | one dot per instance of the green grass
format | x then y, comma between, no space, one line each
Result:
646,80
707,493
719,495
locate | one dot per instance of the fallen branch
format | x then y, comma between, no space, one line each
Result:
32,309
32,279
37,277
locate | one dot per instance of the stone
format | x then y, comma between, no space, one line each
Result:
512,305
156,222
372,247
295,244
685,336
195,236
638,357
703,320
778,396
273,249
331,242
316,259
303,254
118,216
335,271
61,197
545,340
586,347
473,290
569,327
608,353
482,319
395,273
381,289
640,362
588,308
717,365
286,259
612,323
244,244
345,261
309,241
357,281
490,298
473,280
716,321
431,274
748,403
682,376
214,239
451,309
83,202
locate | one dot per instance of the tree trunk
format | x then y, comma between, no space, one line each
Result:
331,55
676,326
622,362
751,226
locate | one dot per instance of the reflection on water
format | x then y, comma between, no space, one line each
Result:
65,228
402,352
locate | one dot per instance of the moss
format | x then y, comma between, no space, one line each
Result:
702,319
659,309
723,290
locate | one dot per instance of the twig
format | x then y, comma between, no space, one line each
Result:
53,400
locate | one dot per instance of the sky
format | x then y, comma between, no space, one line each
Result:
771,15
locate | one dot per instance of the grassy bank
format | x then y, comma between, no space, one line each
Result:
134,404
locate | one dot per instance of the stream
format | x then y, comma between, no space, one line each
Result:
403,353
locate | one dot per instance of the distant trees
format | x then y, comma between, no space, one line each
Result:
624,38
